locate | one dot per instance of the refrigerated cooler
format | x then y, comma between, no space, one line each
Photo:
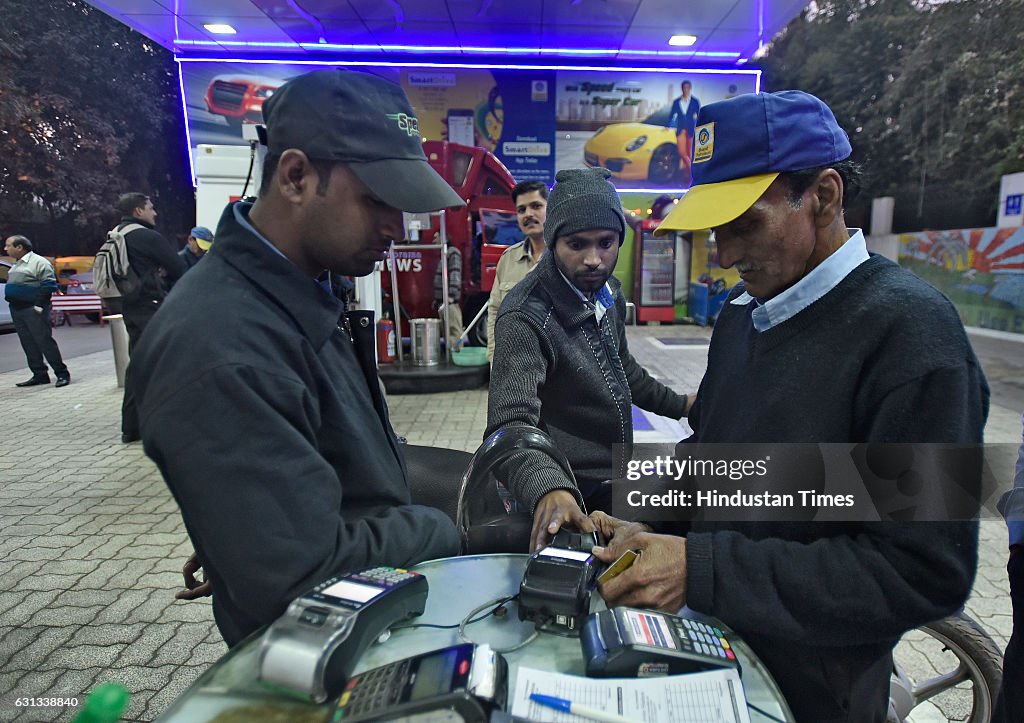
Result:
655,269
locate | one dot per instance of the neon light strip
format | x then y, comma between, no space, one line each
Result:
188,136
670,191
476,66
454,49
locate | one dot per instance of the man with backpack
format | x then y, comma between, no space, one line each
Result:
153,261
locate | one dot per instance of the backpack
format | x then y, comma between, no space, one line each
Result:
111,275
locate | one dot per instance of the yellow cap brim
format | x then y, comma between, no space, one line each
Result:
204,245
714,204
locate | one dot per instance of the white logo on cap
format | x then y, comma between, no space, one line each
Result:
705,146
407,123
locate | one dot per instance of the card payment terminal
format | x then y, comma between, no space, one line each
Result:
559,580
313,647
468,680
630,643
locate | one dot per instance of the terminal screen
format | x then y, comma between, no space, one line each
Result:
565,554
434,675
353,591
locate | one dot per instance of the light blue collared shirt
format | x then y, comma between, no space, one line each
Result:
822,279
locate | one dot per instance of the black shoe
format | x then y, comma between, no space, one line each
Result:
63,381
129,438
34,382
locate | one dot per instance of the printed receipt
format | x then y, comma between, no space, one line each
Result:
713,695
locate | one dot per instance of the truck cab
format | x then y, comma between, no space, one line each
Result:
481,231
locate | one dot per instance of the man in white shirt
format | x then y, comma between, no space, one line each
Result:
30,283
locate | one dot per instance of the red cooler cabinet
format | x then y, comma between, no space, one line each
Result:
655,273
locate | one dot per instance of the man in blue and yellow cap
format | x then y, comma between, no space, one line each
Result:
821,343
199,241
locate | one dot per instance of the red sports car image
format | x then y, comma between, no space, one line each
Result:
239,98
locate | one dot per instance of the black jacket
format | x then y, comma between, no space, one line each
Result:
269,427
554,368
881,358
152,258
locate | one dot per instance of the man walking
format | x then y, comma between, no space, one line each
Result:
30,283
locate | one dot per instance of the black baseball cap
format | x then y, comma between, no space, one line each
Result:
365,122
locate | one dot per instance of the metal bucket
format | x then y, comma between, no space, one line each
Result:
426,342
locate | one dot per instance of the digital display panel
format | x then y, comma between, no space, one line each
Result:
566,554
434,675
353,591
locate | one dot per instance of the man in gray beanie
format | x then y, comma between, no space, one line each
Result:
561,362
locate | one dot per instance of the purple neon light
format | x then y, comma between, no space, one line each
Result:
188,135
473,66
364,47
372,47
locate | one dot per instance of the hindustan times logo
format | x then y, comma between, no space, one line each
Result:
666,466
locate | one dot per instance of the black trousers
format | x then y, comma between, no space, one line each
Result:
1010,707
36,337
136,317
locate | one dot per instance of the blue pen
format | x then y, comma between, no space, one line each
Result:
567,706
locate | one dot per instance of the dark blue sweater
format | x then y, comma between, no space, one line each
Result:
882,357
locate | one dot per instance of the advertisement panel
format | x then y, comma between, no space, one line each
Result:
508,112
638,125
710,284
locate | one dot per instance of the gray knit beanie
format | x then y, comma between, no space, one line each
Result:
582,199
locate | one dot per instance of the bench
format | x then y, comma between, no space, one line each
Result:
63,305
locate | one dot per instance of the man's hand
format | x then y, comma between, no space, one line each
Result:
555,509
657,580
608,527
194,589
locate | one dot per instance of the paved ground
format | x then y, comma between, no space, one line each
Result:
91,542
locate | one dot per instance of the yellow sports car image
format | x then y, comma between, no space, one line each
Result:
644,151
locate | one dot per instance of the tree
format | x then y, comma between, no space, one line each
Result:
927,91
88,110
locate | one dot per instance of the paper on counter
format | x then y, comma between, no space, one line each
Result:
713,695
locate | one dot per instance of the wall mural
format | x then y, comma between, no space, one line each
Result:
980,269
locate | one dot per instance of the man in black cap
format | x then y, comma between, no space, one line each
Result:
561,361
258,392
821,343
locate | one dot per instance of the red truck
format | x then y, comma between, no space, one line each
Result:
482,230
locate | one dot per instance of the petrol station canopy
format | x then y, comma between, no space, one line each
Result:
597,32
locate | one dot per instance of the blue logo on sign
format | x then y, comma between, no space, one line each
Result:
1014,204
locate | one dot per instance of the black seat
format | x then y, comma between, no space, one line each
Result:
465,488
434,476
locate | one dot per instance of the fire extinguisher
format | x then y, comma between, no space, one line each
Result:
385,341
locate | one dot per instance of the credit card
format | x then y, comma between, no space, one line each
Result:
618,567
